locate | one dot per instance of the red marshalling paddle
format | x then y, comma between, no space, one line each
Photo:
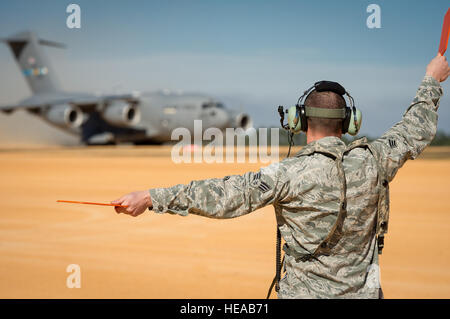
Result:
89,203
445,33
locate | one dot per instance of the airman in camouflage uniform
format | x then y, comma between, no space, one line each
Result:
326,201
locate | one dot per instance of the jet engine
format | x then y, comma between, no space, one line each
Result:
121,113
64,115
243,121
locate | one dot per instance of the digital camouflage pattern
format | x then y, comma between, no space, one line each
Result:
308,196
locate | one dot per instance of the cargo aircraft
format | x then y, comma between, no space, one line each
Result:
147,118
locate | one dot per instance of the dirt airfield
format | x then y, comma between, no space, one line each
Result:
166,256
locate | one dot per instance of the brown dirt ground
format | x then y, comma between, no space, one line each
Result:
164,256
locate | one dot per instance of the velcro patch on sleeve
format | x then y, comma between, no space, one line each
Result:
263,187
392,143
257,182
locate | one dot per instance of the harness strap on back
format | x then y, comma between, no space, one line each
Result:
335,233
383,191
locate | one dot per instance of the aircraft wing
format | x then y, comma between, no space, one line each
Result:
83,102
11,108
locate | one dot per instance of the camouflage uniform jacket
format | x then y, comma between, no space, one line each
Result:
306,192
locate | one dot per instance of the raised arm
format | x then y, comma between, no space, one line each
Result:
409,137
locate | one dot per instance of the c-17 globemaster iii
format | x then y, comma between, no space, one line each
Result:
110,119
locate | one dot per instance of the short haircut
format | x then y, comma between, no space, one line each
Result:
328,100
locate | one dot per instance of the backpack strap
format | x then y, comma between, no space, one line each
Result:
383,191
335,233
383,201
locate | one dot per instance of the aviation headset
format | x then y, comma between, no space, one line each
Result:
298,114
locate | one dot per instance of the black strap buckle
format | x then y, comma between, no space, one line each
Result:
380,243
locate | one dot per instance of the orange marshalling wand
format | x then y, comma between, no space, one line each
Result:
89,203
445,33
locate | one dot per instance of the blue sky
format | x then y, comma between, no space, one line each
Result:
251,54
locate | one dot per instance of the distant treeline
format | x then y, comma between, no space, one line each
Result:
441,139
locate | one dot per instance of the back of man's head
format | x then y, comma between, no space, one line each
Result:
328,100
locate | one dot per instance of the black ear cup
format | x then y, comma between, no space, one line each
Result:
303,118
346,121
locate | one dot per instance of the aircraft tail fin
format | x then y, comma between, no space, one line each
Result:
29,54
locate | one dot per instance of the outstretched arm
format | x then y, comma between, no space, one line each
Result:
227,197
409,137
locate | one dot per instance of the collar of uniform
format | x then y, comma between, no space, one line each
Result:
328,144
